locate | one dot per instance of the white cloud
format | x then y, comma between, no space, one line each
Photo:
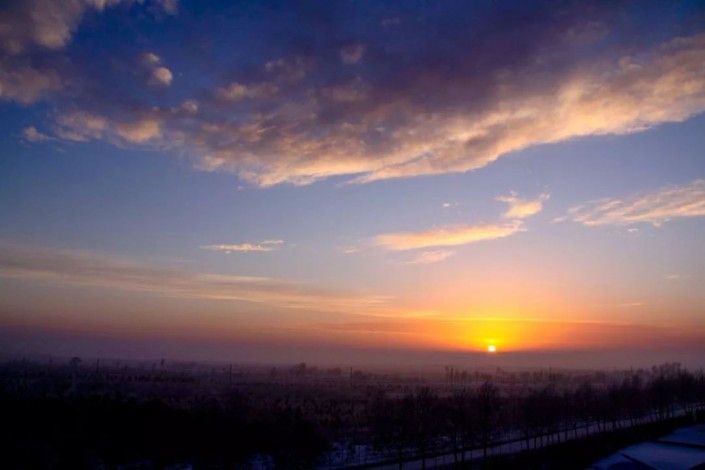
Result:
190,106
26,84
33,135
264,246
150,59
158,75
450,235
170,7
654,208
522,208
428,257
349,250
82,126
273,242
138,131
47,24
161,76
237,91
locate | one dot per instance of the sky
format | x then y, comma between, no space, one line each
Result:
353,181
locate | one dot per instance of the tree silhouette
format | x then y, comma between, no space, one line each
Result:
488,403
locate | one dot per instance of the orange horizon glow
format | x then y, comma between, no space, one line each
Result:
433,333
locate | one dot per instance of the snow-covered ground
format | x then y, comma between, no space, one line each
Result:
510,445
682,450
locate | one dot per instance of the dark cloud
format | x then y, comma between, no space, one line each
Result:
297,92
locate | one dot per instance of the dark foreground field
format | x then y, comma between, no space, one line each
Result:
74,416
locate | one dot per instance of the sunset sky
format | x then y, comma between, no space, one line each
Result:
285,181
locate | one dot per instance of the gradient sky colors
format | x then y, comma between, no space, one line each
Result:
281,180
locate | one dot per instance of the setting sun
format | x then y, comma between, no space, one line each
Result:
491,348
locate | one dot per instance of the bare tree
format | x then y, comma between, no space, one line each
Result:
488,403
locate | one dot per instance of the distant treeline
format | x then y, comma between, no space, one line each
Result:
66,419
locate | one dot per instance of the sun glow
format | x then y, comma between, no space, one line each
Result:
491,348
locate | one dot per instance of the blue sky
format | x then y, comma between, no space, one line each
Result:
367,174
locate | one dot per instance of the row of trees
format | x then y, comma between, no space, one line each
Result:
425,422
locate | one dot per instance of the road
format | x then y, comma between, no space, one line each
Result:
504,448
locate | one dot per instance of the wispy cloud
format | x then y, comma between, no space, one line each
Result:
429,257
237,91
158,74
81,127
655,208
522,208
266,245
33,135
95,269
170,7
45,23
44,28
450,235
26,85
